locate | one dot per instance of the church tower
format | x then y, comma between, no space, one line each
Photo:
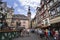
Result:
29,16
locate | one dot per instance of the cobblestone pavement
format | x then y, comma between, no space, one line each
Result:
50,38
32,36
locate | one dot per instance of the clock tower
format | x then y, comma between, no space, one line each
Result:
29,16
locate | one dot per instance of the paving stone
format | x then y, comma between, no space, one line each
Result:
32,36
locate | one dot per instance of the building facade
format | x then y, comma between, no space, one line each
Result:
10,14
48,14
7,12
54,13
3,6
22,19
42,15
34,22
29,16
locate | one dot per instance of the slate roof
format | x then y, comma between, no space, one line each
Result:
20,16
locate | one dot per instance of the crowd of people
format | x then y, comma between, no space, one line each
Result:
48,34
24,32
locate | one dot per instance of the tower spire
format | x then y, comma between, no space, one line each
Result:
29,10
29,16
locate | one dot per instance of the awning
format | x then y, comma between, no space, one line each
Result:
55,20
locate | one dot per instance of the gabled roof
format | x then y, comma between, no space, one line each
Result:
20,16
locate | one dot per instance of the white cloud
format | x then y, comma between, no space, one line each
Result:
20,11
9,6
15,5
31,3
33,14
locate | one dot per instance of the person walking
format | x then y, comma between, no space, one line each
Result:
56,35
46,34
41,32
28,32
49,34
52,33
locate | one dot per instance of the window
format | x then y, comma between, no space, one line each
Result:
3,10
46,22
48,6
49,12
45,7
58,9
52,12
51,3
55,0
41,17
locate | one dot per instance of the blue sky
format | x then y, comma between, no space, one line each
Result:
21,6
